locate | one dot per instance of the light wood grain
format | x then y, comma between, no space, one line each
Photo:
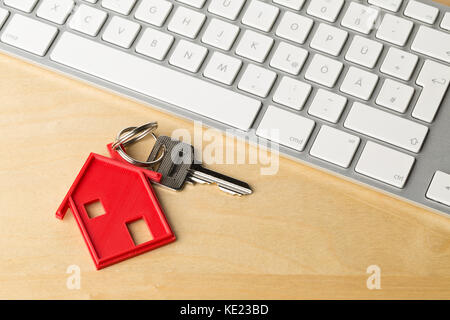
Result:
302,234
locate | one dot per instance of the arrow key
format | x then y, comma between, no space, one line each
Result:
439,189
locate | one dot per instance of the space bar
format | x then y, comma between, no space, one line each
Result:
156,81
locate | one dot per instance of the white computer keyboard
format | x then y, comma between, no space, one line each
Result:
357,88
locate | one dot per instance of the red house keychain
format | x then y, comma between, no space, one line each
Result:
127,196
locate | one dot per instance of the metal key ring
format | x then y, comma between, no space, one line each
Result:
133,134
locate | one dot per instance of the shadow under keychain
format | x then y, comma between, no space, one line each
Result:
126,195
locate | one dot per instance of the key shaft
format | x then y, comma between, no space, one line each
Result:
200,174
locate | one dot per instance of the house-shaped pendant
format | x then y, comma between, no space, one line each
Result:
126,195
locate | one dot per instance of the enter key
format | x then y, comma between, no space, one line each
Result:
434,78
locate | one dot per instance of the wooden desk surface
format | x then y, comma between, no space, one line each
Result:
302,234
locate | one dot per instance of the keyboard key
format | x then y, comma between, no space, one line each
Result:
433,43
385,164
395,95
188,56
186,22
324,70
254,46
335,146
439,189
387,127
327,106
257,80
421,11
229,9
123,6
445,23
3,15
194,3
260,15
359,83
121,32
325,9
394,29
360,18
29,34
293,4
222,68
220,34
289,58
87,20
23,5
329,39
364,51
399,64
391,5
133,73
154,12
292,93
434,78
286,128
154,44
294,27
55,11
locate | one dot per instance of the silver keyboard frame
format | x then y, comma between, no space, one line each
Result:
435,154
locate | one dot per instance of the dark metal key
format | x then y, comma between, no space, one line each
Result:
178,167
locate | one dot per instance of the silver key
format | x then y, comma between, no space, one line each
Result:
178,166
